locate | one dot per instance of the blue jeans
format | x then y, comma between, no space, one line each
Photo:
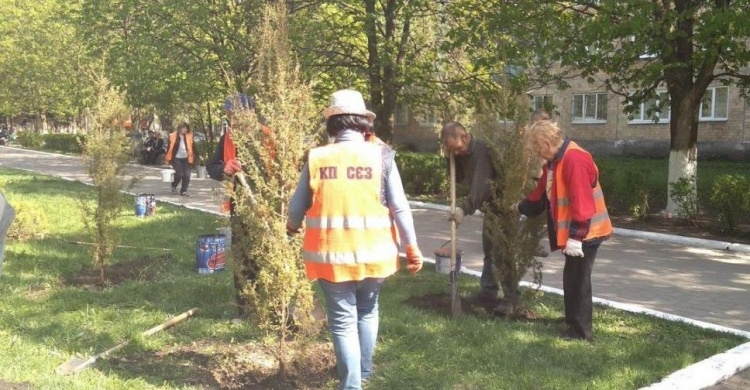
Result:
353,319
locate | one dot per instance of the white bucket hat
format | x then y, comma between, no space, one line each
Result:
348,101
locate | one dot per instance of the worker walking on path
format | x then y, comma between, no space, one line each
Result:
352,200
181,156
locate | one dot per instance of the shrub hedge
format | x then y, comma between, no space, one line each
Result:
422,173
65,143
30,139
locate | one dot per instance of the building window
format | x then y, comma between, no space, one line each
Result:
648,111
542,101
401,114
589,108
427,118
715,104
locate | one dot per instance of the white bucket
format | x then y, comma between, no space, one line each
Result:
167,175
443,260
201,172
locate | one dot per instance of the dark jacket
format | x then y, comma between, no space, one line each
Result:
475,169
215,165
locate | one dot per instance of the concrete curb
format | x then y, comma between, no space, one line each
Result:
707,372
697,376
659,237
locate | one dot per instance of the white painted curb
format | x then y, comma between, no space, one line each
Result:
707,372
659,237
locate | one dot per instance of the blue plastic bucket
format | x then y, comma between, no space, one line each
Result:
210,253
145,205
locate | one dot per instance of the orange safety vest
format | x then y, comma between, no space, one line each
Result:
188,147
349,234
600,226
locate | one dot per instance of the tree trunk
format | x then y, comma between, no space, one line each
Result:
165,118
373,70
43,119
210,124
683,149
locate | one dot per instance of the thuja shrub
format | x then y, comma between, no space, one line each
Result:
270,269
514,238
105,154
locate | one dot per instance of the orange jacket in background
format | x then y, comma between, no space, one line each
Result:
188,146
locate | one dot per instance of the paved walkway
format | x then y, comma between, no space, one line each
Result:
702,284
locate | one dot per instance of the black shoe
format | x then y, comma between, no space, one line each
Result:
184,194
174,189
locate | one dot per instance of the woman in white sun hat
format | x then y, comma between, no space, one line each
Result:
353,203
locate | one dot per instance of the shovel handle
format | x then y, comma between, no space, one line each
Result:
171,322
453,210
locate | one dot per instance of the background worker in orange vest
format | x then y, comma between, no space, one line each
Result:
577,218
224,165
351,198
180,156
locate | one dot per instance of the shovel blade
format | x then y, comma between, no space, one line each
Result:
455,298
74,365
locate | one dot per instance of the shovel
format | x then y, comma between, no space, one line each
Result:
455,299
77,364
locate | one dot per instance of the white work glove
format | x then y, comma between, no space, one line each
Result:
573,248
456,216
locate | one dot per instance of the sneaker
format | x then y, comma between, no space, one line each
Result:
174,189
184,194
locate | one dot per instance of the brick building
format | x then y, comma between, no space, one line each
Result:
596,119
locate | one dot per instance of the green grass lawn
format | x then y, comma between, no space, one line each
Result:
45,320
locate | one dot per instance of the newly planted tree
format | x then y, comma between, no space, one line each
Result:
105,154
278,293
514,238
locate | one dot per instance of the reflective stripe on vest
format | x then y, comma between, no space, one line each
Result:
355,257
349,233
370,222
600,225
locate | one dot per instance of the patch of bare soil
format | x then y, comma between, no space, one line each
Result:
145,268
441,303
702,228
215,365
14,386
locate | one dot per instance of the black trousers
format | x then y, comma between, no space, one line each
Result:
182,173
578,294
